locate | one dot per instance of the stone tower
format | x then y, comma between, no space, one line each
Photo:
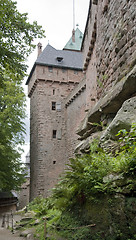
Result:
53,76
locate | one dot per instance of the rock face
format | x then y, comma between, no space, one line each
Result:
110,103
113,216
84,146
109,110
123,120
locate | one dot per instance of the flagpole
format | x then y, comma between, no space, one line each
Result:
74,14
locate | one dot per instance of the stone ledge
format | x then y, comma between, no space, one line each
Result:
111,102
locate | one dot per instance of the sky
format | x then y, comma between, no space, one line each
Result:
56,18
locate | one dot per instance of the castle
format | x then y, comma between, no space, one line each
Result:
85,83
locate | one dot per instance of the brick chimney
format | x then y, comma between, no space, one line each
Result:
39,47
73,35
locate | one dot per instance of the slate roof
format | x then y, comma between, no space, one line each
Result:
78,41
70,59
7,195
50,56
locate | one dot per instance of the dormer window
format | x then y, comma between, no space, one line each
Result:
59,59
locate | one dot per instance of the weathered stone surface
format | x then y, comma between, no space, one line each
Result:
123,120
84,146
111,102
27,232
30,236
25,219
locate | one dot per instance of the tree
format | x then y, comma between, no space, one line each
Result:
16,43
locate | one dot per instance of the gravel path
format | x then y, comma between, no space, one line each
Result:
6,234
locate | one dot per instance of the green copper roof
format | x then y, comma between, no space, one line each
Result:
78,41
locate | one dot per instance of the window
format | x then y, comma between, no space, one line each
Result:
63,70
59,134
58,107
53,91
54,162
76,72
53,106
54,133
50,69
59,59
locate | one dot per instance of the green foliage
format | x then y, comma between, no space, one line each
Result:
12,111
127,152
70,226
84,177
16,39
100,81
16,43
44,207
40,206
40,231
12,103
128,139
88,180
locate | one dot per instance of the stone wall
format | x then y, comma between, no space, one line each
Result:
115,42
109,61
24,194
75,112
53,74
48,127
89,53
109,45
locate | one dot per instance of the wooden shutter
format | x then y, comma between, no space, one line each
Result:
58,106
59,134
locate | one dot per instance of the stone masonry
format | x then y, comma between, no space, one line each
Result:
48,88
69,96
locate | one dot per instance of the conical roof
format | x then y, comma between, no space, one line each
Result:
75,46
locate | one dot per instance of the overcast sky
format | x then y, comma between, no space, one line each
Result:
56,18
